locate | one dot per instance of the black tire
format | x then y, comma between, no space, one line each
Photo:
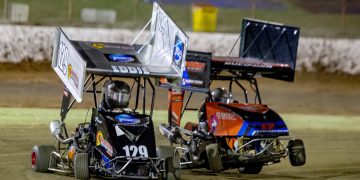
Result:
297,154
81,166
172,163
40,157
165,151
214,158
253,169
172,167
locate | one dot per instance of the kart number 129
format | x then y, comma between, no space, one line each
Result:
63,58
136,151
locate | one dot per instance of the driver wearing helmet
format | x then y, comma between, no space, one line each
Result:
221,95
116,96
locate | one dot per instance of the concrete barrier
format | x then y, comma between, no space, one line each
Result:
19,43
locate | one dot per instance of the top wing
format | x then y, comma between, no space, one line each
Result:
251,67
271,48
162,56
68,64
113,59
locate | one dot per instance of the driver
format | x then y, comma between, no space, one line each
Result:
116,96
221,95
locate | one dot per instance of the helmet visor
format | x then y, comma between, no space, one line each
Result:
119,96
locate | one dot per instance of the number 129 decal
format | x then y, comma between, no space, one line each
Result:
136,151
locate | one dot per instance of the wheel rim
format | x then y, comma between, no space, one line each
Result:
33,159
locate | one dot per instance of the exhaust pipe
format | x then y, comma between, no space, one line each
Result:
56,131
172,134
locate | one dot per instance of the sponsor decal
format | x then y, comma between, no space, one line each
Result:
127,119
188,82
178,50
112,46
98,45
214,122
195,66
118,131
72,75
267,126
122,58
270,131
184,78
258,65
100,141
225,116
130,70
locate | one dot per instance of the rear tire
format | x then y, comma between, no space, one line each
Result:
297,154
81,166
40,157
255,169
213,156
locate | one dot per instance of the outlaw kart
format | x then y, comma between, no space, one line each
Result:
231,133
118,141
114,143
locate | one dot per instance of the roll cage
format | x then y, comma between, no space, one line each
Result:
140,85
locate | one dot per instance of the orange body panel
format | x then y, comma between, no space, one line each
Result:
175,100
224,122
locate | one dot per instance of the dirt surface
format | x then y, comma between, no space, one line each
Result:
330,155
36,85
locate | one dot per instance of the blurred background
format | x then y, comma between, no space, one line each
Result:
320,18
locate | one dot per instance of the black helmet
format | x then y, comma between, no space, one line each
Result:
221,95
116,94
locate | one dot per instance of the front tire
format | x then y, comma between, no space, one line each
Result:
214,158
297,154
172,163
40,157
165,151
172,166
81,166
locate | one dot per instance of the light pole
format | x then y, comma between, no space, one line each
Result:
253,8
69,10
5,9
343,14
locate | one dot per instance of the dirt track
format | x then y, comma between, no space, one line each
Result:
330,155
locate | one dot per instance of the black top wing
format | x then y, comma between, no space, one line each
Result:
249,67
114,59
267,49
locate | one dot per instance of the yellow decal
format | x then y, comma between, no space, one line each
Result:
69,71
99,138
98,45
